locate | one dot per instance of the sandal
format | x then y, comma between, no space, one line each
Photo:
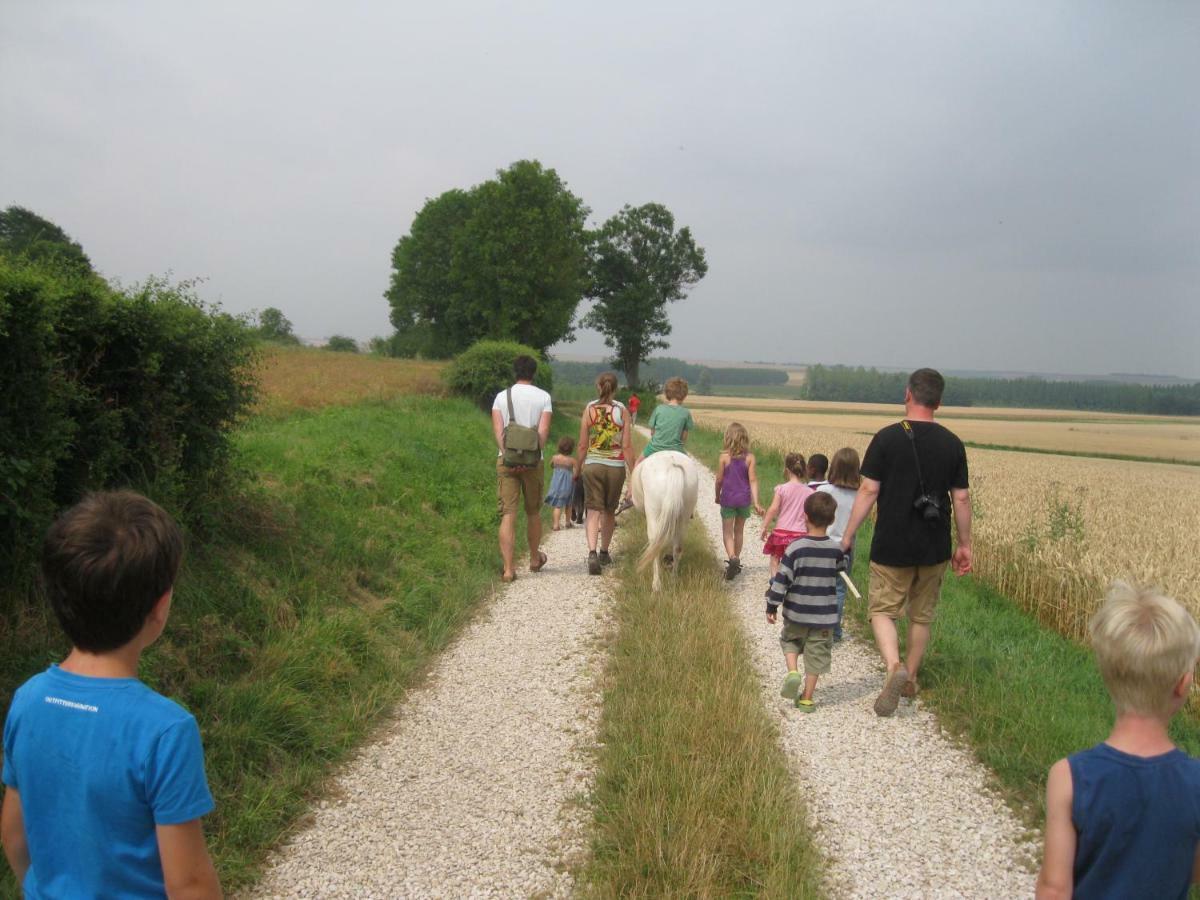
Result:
509,579
541,562
889,697
805,705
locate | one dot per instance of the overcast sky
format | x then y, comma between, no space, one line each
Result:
963,184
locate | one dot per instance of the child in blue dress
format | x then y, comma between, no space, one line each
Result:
562,483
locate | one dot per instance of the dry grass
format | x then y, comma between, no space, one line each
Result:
1086,433
303,378
1052,531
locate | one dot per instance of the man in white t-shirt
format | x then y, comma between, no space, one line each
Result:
531,408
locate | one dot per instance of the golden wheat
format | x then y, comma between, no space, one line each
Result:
303,378
1052,531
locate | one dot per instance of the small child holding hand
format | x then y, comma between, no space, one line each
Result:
562,482
1123,818
804,586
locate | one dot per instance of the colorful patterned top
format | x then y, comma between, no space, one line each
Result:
605,426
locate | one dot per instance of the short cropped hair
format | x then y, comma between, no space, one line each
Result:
818,464
525,367
820,509
1144,643
844,469
676,389
566,445
105,563
926,387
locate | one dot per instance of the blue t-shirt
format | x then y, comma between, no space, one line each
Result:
1138,823
99,762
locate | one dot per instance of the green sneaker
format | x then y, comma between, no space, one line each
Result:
791,686
805,705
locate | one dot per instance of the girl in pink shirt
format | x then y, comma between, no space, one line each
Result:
787,511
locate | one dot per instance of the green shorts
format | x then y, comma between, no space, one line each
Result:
815,643
735,512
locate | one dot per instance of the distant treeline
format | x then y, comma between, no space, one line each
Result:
872,386
659,369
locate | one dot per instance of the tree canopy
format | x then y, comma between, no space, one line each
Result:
25,234
506,260
640,263
273,325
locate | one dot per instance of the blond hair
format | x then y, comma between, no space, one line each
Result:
737,440
1144,643
676,389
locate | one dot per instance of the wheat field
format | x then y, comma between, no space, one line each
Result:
1051,532
1111,434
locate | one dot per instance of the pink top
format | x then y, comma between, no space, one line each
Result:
792,495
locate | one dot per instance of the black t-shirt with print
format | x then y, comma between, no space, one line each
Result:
903,537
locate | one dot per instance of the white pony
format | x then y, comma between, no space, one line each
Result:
665,485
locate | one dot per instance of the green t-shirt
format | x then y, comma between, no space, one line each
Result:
668,424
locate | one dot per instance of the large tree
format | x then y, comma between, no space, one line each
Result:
506,260
640,264
24,233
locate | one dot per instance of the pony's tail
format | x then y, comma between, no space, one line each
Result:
664,518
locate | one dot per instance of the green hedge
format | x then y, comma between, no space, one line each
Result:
103,388
484,369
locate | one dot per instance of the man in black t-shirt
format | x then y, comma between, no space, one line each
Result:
917,472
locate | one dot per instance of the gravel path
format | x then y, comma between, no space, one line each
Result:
474,790
901,810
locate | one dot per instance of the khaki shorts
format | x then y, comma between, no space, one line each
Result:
894,587
602,486
512,483
815,643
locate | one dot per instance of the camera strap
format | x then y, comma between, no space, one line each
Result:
912,441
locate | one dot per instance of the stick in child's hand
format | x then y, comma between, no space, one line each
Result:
850,585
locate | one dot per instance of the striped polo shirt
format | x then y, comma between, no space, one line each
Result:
806,583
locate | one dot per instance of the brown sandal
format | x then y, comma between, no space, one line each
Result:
541,562
509,579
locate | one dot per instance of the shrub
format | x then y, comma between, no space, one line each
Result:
339,343
484,369
103,388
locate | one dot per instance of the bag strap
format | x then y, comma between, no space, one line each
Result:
913,443
511,413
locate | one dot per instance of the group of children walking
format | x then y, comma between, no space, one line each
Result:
105,782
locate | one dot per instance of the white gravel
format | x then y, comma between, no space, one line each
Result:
477,788
900,809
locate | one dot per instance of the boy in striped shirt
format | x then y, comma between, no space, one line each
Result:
806,587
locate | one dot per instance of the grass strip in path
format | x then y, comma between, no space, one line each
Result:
693,795
1022,696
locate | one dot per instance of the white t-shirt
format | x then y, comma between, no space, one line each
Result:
529,402
845,502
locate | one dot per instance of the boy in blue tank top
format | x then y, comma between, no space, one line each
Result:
1123,818
104,777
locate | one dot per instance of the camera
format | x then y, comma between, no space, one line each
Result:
929,506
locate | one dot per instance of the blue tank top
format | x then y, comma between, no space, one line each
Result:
1138,823
735,486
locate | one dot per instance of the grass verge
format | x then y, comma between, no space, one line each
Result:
320,589
1021,695
693,795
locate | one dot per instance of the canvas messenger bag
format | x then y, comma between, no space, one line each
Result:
522,445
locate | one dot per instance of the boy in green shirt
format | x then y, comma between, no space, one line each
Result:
669,426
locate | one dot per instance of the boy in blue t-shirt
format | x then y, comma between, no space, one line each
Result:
105,778
1123,818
